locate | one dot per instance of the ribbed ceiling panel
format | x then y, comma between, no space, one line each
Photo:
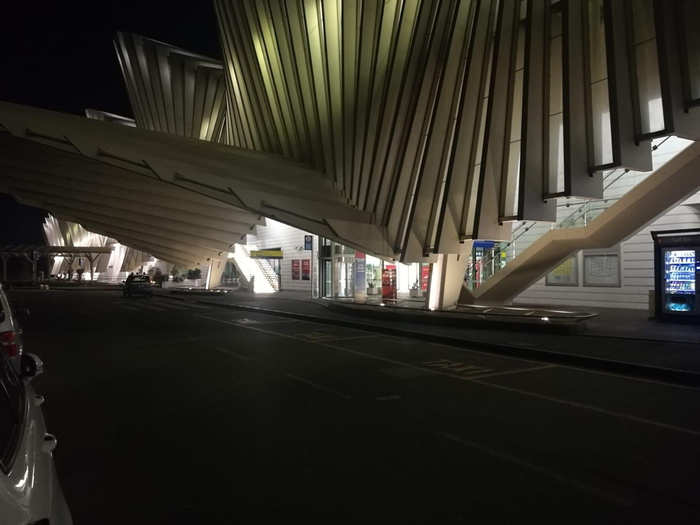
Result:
400,127
173,90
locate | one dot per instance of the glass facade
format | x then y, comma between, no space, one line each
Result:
486,259
347,273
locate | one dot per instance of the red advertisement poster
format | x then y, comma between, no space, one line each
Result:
424,276
389,282
295,269
305,269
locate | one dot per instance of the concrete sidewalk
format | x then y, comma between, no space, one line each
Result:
619,341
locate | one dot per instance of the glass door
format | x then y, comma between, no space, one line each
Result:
344,275
326,278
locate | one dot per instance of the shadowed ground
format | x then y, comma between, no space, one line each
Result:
171,412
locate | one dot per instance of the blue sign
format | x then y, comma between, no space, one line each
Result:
308,242
360,273
484,244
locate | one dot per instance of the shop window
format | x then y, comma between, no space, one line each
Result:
374,275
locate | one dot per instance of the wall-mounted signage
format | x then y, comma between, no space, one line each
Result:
268,253
308,242
601,269
296,269
566,274
305,270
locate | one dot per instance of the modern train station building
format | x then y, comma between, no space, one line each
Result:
453,152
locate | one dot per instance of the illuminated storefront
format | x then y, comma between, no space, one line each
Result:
346,273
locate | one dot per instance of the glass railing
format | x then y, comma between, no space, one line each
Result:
581,213
495,259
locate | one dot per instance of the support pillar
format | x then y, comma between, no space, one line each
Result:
215,273
70,259
33,257
92,259
447,279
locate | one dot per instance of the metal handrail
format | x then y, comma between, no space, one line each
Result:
580,207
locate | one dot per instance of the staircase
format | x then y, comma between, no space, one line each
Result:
592,224
526,233
259,271
574,213
269,273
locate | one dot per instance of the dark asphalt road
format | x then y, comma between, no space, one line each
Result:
172,412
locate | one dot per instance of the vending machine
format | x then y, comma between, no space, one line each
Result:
676,272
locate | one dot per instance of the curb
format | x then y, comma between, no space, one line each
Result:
67,289
197,294
578,327
668,375
458,319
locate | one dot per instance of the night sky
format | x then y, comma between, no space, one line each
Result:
60,56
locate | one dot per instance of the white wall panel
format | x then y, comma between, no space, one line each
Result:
291,240
637,271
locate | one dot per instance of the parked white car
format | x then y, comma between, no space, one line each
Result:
29,489
10,331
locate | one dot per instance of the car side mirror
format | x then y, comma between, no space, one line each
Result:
30,366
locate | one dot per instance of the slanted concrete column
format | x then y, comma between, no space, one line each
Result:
447,279
92,259
216,272
33,257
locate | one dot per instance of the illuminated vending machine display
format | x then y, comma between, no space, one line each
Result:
677,270
679,280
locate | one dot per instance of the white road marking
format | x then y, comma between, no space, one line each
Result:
612,413
315,337
162,307
630,378
457,366
368,336
458,349
539,469
245,320
232,353
317,386
392,397
318,337
184,306
153,307
592,408
130,307
518,371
